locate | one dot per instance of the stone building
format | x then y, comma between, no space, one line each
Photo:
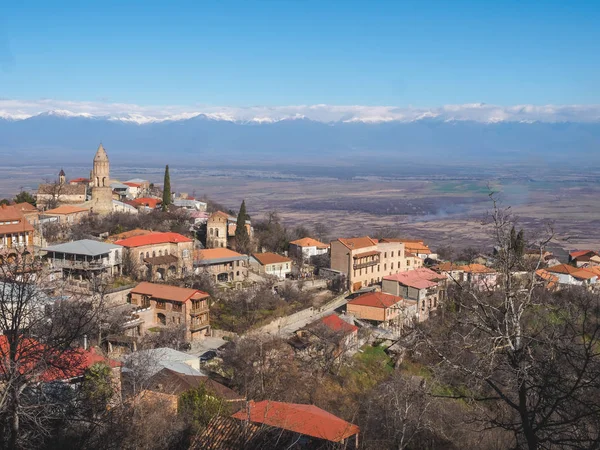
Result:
102,201
365,261
159,255
220,230
221,263
163,305
53,195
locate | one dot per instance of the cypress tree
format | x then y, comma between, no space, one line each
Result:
242,239
166,200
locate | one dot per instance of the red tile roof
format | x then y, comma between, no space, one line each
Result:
376,300
476,268
270,258
128,183
220,214
578,253
79,180
563,268
25,207
147,201
308,420
153,238
334,323
359,242
128,234
215,253
168,292
309,242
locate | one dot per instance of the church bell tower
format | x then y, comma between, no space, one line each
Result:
101,190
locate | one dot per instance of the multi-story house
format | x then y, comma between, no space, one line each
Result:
160,255
383,310
67,214
221,263
16,233
272,264
85,259
365,261
308,247
161,305
426,287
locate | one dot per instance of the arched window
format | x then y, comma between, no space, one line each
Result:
160,253
161,318
147,255
153,253
216,232
141,256
211,231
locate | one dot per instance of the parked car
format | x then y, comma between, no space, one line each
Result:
207,356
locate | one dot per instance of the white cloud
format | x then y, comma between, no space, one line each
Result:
480,112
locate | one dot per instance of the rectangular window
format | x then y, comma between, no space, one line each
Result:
392,266
385,255
385,267
392,254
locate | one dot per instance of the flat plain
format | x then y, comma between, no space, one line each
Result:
448,208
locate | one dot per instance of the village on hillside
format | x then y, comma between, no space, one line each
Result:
283,327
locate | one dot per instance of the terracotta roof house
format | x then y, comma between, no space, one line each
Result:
382,309
68,214
577,276
426,287
272,264
306,420
16,233
161,305
223,264
149,203
127,234
161,255
365,261
308,247
583,258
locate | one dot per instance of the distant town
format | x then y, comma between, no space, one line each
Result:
169,312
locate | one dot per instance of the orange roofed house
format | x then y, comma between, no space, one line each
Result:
584,258
384,310
162,305
426,287
160,255
365,261
16,233
315,424
308,247
222,264
68,214
272,264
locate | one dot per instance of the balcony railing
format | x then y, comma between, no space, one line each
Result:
199,325
365,264
88,265
195,311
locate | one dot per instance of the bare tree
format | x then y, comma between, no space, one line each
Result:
40,328
529,356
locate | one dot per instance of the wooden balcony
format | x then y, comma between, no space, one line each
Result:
362,265
196,311
199,325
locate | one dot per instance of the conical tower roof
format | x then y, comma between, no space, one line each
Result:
101,154
61,173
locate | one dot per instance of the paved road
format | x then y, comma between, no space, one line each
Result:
291,327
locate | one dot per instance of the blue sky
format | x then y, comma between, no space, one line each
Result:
284,52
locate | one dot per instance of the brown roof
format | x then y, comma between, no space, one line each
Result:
563,268
376,300
309,242
10,214
270,258
418,278
25,207
66,209
177,383
168,292
215,253
63,189
219,213
359,242
366,254
476,268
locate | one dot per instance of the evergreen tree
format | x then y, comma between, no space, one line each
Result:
166,200
242,238
25,197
